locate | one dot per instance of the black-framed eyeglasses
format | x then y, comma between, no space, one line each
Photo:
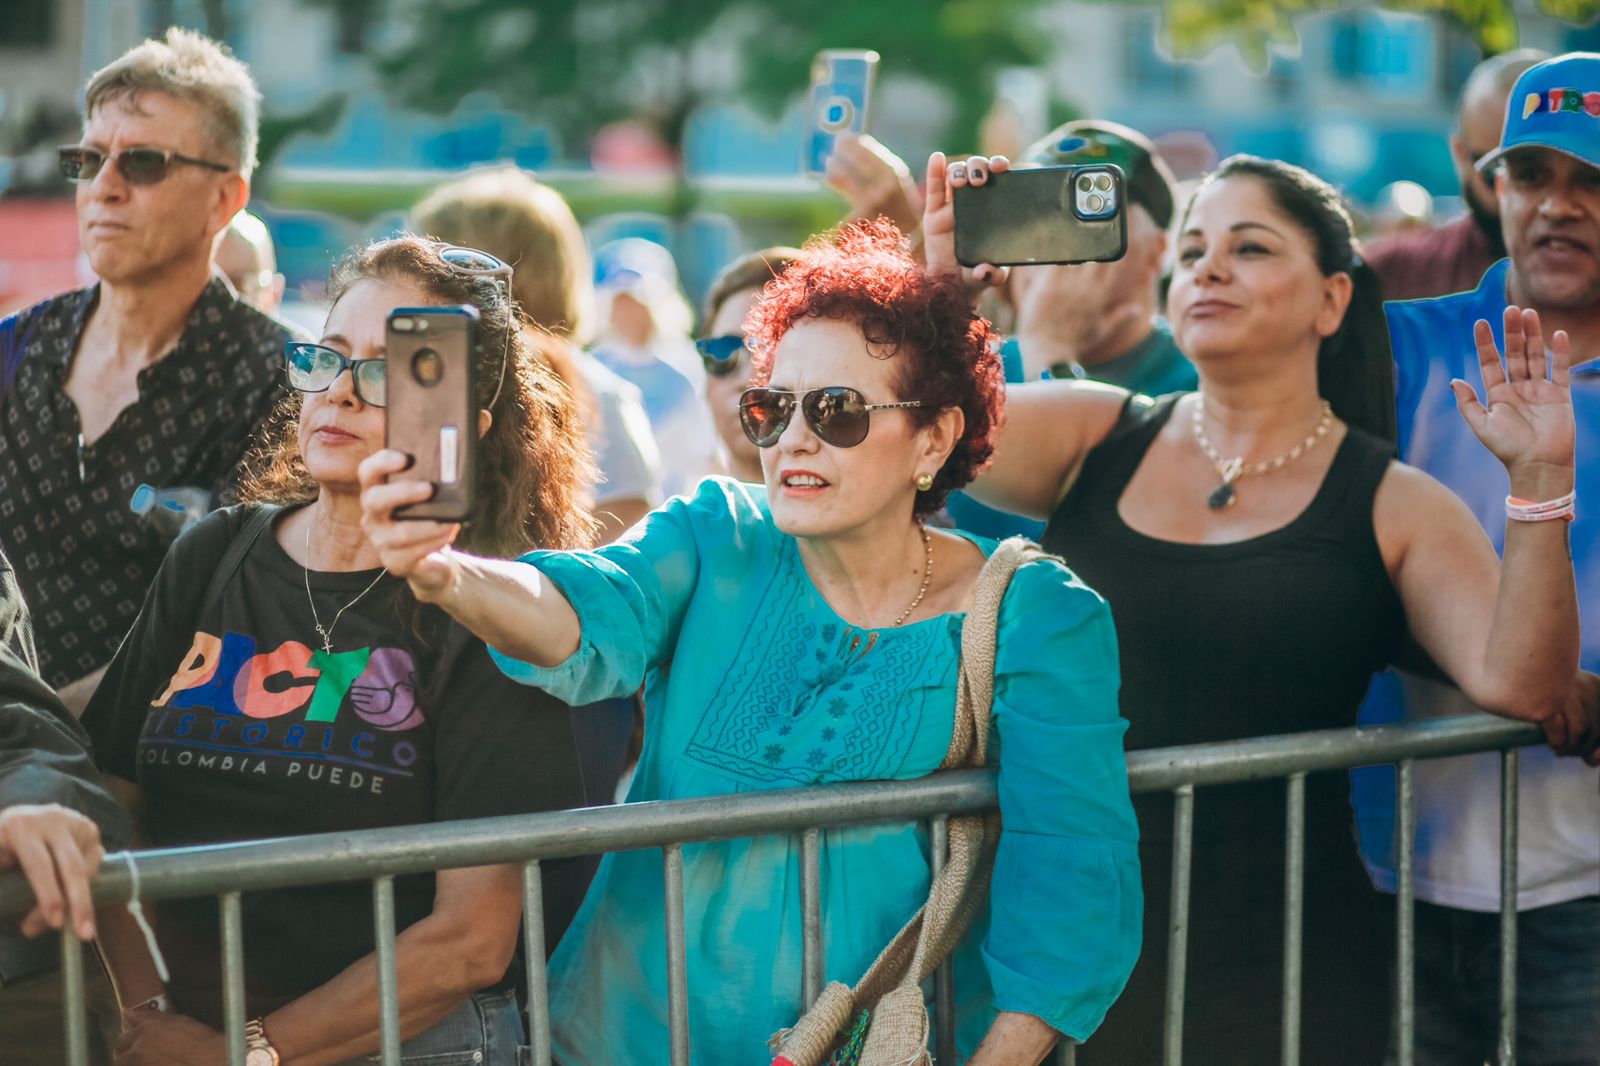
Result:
479,262
315,367
838,414
721,355
140,165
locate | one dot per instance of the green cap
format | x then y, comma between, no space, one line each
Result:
1089,141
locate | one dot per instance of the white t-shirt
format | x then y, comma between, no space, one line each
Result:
624,445
669,376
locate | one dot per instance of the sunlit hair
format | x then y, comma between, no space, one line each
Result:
505,212
1355,366
945,355
751,271
185,65
534,468
508,213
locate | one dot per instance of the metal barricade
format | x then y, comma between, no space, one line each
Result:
380,855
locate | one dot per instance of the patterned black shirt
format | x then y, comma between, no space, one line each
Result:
83,558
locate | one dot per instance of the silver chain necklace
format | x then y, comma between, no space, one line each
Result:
327,634
1231,470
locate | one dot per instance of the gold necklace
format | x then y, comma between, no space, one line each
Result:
1231,470
327,634
927,573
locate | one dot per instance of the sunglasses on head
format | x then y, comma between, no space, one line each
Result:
478,262
138,166
838,415
721,355
315,367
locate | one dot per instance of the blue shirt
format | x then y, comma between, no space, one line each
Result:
754,683
1433,343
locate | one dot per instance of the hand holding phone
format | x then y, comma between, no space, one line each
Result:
841,88
432,408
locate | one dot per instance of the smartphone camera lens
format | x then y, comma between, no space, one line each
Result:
1085,183
837,114
1103,182
427,367
1095,203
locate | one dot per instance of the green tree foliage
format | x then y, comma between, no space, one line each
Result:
1194,27
577,64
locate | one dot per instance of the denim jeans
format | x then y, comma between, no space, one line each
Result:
486,1030
1458,986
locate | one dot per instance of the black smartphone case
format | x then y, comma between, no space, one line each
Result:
432,408
1026,217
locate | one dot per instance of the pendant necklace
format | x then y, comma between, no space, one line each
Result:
927,573
1231,470
327,634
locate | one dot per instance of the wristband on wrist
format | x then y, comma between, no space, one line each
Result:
1562,507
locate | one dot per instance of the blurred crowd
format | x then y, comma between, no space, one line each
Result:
1290,469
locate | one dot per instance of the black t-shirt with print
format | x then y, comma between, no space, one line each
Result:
237,725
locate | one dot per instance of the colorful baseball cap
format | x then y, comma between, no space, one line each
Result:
1556,105
1088,141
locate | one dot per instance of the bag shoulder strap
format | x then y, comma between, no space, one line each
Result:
12,349
969,740
258,522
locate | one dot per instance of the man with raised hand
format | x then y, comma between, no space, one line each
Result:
1546,174
158,374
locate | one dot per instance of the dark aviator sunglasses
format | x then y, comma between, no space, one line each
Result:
138,166
838,415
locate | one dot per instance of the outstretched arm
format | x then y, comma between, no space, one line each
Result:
1507,634
506,604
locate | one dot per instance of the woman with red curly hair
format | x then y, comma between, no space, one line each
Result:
808,630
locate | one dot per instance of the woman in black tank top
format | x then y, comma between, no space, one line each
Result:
1263,556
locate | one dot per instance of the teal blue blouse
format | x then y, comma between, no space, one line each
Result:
752,683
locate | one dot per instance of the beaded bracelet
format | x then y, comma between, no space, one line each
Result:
1562,507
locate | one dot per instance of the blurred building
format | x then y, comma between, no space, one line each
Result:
1367,99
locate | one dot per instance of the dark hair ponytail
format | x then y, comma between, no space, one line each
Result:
1355,366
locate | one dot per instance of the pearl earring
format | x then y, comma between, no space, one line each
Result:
924,482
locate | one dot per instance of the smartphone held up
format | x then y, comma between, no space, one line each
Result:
432,408
841,88
1024,217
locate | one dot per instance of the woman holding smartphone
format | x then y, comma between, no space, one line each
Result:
1264,555
805,630
280,681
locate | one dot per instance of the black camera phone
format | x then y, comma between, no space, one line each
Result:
1072,214
432,408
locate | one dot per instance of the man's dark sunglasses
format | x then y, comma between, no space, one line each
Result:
838,415
315,367
138,166
721,355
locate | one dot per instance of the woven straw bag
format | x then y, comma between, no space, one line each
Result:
883,1021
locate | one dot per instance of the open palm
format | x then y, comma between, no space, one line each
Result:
1526,415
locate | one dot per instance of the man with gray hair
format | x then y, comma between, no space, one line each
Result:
157,375
1453,257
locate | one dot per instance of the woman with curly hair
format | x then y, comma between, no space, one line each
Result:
808,630
280,681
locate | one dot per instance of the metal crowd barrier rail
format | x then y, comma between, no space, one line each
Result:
379,855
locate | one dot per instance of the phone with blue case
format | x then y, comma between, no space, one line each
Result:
841,87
